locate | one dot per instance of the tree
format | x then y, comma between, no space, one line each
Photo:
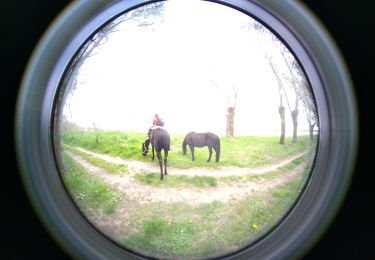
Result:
281,94
67,125
293,85
231,102
306,96
303,93
265,39
231,108
144,16
291,63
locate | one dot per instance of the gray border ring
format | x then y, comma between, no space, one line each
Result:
335,158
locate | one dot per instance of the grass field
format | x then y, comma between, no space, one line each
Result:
179,230
243,151
109,167
88,191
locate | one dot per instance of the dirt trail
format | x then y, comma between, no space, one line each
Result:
152,193
214,172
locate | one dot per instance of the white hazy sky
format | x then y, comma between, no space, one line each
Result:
170,70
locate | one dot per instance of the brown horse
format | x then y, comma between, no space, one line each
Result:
160,140
208,139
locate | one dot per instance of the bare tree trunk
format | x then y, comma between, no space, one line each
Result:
311,130
294,115
97,133
230,122
282,117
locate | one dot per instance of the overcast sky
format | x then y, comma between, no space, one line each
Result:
184,69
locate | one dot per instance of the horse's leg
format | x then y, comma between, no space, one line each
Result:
165,162
158,154
153,149
192,152
216,153
210,152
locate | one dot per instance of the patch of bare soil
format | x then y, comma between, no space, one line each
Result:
143,193
217,172
137,195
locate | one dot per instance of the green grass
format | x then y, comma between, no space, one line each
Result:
163,237
266,175
153,178
181,231
86,189
200,181
109,167
121,144
242,151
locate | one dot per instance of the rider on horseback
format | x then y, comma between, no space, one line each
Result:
156,123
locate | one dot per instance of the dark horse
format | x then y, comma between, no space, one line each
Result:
210,140
160,140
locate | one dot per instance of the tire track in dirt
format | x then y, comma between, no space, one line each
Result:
213,172
144,193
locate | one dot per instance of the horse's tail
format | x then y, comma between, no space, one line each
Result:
217,149
184,146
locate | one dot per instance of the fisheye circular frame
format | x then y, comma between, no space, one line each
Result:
302,33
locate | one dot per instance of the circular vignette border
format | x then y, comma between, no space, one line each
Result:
302,33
